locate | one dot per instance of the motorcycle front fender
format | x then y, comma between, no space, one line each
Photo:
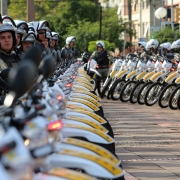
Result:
112,74
91,147
120,74
148,75
156,76
89,104
141,75
171,77
93,135
84,122
95,71
94,165
81,84
84,75
61,174
87,98
177,81
86,114
78,106
131,74
81,80
88,93
77,88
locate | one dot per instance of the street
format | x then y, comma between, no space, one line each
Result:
147,139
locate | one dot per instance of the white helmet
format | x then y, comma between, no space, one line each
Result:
167,45
175,44
70,38
142,44
100,43
152,43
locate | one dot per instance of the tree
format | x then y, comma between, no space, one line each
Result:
79,18
166,35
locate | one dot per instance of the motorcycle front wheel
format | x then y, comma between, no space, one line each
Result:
173,100
152,94
126,91
164,96
105,88
142,92
135,91
116,88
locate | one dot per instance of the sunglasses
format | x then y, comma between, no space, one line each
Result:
41,32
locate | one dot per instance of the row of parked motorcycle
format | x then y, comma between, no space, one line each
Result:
144,80
52,124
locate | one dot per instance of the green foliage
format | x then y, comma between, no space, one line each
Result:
166,35
92,45
79,18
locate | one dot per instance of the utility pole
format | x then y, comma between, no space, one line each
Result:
30,10
154,9
172,14
3,7
140,19
100,21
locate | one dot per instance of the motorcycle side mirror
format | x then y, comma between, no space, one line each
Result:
47,66
21,79
33,54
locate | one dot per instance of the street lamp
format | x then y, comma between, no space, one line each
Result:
160,13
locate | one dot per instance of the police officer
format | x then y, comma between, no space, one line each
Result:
70,42
47,40
27,42
7,42
41,28
103,62
54,41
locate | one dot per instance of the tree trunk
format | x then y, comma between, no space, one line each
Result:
130,18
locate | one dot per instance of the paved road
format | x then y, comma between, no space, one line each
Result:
147,139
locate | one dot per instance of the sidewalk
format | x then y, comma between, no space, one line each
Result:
147,139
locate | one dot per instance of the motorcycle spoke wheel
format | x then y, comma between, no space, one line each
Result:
126,91
173,98
116,89
105,88
135,91
164,97
152,94
142,92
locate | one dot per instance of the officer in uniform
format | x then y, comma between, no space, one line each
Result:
103,62
7,42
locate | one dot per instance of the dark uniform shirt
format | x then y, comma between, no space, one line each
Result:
7,60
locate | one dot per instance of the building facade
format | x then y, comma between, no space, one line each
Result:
144,21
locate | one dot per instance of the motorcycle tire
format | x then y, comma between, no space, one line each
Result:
135,91
151,99
165,94
126,91
142,92
172,100
105,88
178,103
117,82
110,89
